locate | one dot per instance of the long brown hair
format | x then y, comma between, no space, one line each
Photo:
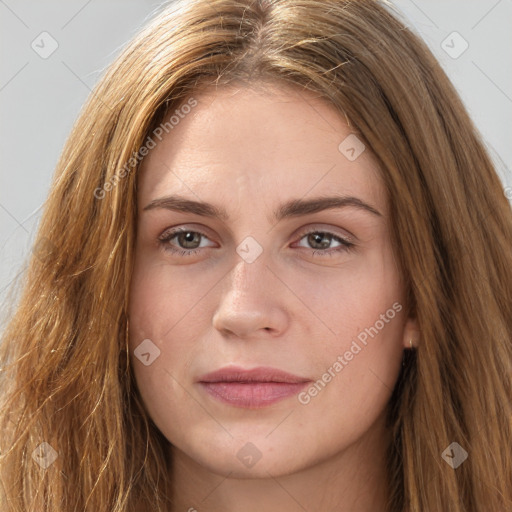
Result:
66,378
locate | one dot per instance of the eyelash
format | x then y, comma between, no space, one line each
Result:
166,237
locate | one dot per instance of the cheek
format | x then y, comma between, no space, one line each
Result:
161,296
165,314
362,310
357,371
351,298
160,352
158,321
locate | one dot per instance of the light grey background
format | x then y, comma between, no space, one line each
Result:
41,97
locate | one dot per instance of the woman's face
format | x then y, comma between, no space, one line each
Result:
283,264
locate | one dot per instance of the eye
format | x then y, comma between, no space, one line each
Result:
321,243
188,241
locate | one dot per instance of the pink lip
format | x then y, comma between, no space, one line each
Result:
253,388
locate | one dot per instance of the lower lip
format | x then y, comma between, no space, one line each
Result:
252,395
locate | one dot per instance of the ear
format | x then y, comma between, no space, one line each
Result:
411,333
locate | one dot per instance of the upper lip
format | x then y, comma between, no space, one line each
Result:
259,374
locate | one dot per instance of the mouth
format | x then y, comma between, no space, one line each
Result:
251,389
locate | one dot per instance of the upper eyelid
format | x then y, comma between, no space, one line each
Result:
349,237
176,230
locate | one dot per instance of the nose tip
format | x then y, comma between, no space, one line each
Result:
243,319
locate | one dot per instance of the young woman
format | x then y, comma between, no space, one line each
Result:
273,273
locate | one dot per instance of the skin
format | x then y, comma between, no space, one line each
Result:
249,150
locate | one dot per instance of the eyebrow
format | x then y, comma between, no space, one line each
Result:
292,208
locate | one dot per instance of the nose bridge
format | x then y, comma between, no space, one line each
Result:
250,261
247,305
246,283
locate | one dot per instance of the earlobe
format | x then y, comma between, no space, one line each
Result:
411,335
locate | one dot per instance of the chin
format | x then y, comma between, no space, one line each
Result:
250,456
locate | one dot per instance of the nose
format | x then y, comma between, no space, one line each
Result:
252,303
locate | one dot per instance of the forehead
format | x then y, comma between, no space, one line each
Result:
240,143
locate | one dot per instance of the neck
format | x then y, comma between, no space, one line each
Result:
354,479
